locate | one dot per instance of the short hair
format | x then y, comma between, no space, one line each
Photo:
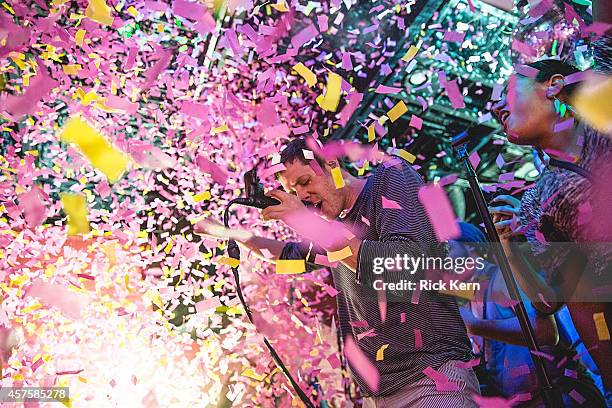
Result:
294,150
549,67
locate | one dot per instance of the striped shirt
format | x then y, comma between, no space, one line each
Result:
420,331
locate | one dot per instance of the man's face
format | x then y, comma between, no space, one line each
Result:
300,179
532,116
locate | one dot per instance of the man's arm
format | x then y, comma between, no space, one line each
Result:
544,297
254,243
509,330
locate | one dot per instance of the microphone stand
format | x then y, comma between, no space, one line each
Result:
550,393
233,251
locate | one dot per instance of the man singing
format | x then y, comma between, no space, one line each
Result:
422,335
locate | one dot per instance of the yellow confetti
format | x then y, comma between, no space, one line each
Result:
232,262
398,110
281,6
132,10
592,103
219,129
71,69
380,353
9,8
79,36
290,266
18,61
337,177
31,308
253,375
332,94
335,256
75,207
371,133
98,11
204,196
411,53
602,327
409,157
305,73
94,146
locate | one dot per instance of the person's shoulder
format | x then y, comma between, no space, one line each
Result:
396,170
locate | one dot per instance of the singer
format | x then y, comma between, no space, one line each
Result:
421,333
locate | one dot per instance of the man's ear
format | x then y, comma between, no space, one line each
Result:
556,83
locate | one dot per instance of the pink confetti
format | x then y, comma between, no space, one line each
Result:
418,339
208,167
368,333
322,21
117,102
68,302
441,380
334,361
390,204
577,397
416,122
37,364
527,71
301,38
453,93
321,259
439,211
563,126
383,89
543,355
362,365
353,103
188,9
523,48
25,104
33,207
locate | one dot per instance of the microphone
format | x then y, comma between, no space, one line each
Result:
473,133
255,196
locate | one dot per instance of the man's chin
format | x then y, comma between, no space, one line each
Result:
513,136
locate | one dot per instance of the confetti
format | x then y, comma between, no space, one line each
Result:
380,354
75,207
337,177
94,146
331,99
362,365
307,74
390,204
398,110
335,256
439,211
98,11
601,326
290,266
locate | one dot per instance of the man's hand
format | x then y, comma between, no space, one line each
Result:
506,216
467,315
289,205
210,228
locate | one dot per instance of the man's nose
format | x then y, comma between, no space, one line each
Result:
302,194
